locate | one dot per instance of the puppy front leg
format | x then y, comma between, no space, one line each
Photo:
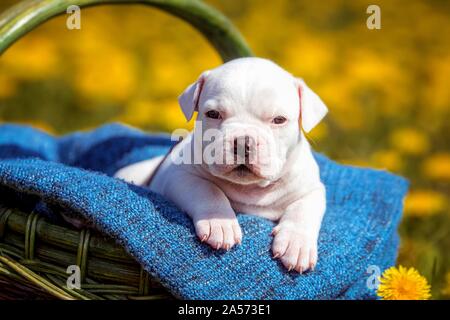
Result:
214,220
295,236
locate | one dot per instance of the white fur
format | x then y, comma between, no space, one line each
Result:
282,186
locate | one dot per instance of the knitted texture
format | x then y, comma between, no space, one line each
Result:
73,172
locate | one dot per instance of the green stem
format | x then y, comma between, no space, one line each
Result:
217,29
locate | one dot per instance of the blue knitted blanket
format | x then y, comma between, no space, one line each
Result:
73,172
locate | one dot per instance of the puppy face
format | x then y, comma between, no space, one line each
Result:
253,107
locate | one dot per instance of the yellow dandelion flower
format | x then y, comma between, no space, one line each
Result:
308,56
446,290
108,75
436,92
372,68
409,141
34,57
339,94
8,86
437,167
172,117
424,203
357,162
139,112
403,284
388,159
319,132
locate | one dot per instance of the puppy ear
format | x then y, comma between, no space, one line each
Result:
312,108
190,98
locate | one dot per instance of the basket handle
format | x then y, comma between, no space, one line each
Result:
218,30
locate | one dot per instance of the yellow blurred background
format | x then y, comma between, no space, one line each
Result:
388,90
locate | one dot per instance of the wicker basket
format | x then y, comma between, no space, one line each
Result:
35,253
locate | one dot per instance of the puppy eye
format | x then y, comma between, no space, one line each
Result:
213,114
279,120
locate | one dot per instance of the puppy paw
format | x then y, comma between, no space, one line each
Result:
296,249
219,233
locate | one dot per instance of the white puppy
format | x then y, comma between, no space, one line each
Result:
259,108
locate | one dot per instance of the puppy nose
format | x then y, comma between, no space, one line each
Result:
242,144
